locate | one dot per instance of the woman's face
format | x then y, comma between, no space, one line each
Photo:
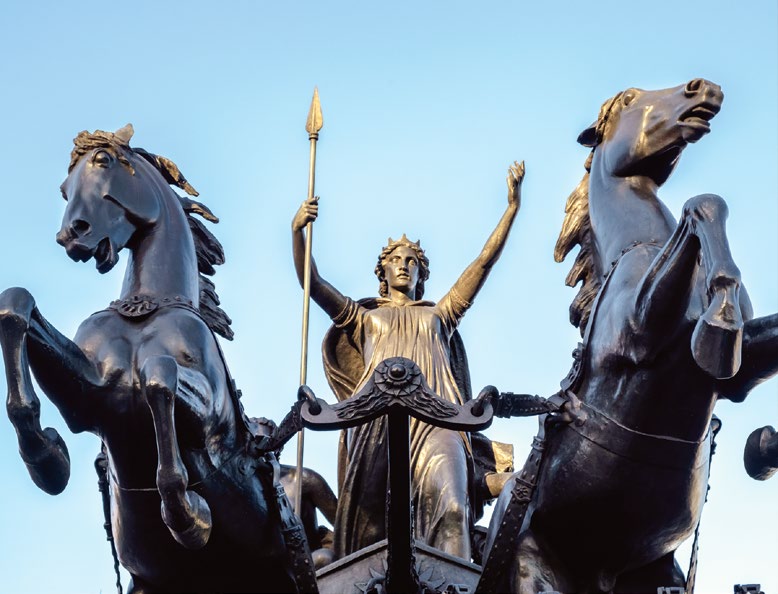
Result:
401,269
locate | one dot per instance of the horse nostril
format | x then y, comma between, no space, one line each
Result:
693,87
80,227
77,228
62,237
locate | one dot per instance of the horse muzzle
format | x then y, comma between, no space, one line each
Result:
105,252
76,251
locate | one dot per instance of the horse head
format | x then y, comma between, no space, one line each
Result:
112,191
643,132
108,198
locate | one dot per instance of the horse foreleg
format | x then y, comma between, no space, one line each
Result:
42,450
718,335
185,513
760,358
667,285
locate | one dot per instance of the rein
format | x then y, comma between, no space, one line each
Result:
607,433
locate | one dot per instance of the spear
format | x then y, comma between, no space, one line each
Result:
312,126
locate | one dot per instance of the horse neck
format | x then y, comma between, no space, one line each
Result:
163,262
625,210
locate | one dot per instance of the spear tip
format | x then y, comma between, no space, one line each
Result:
315,119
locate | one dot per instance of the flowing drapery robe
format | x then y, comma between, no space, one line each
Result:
364,334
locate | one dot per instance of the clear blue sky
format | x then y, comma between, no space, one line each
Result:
425,106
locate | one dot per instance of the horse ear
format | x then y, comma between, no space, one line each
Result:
125,134
588,137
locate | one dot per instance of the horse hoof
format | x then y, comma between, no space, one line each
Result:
760,465
195,536
50,470
718,336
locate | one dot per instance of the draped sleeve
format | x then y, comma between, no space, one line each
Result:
452,309
342,348
349,317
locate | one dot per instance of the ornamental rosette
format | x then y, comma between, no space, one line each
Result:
397,377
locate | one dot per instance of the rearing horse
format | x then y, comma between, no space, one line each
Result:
667,331
148,377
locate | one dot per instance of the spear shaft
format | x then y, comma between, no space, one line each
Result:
312,126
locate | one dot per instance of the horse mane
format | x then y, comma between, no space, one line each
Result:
577,230
577,226
209,253
208,249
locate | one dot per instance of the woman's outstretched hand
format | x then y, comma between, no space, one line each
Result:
514,179
307,213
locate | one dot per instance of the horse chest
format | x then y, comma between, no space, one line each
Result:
119,346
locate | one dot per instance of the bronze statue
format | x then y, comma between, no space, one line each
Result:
617,477
400,324
148,377
760,455
667,330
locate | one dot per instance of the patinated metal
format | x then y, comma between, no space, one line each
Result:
617,474
400,324
149,366
397,389
667,330
760,456
398,383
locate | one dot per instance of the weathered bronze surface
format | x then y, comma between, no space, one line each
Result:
396,390
400,324
761,453
364,572
667,330
616,477
148,377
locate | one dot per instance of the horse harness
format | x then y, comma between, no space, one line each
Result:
259,448
565,408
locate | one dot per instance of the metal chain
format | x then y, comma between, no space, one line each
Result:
691,575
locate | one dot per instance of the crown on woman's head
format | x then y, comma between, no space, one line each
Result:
403,241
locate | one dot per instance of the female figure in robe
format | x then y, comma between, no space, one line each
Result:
400,324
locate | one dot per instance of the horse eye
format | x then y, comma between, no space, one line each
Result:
628,97
64,195
101,158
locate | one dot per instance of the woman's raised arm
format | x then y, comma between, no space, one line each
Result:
322,292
